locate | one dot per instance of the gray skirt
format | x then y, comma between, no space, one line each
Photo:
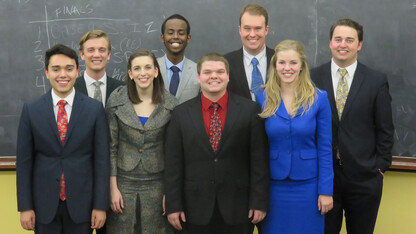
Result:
142,194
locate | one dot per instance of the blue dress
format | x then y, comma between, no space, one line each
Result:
300,167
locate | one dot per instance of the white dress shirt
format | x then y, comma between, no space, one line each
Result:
89,82
69,103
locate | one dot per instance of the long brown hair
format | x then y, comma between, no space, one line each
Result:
158,85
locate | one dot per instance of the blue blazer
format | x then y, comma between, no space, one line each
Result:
300,147
84,158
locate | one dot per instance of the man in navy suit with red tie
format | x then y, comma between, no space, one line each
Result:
62,154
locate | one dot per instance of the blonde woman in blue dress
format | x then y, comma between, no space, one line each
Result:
298,124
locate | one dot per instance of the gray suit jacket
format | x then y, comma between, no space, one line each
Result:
131,142
188,82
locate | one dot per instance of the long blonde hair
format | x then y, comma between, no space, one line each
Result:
305,93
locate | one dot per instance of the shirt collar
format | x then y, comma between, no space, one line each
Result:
169,64
69,99
89,80
223,102
350,69
248,57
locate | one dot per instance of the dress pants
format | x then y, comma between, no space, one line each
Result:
359,200
62,223
217,225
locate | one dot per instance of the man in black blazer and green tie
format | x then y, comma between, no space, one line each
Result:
362,130
95,50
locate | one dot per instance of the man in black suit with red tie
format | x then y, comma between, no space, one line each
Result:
362,130
216,163
249,64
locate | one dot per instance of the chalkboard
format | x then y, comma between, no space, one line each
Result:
29,27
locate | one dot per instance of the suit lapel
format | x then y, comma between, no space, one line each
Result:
81,86
242,76
328,86
163,72
269,55
355,87
233,112
77,108
50,115
184,79
195,113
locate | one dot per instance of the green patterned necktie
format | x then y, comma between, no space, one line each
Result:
342,91
97,93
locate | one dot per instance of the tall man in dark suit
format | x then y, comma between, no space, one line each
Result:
216,165
362,130
95,50
178,72
248,65
63,165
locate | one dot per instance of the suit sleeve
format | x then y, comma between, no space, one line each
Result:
101,162
384,127
324,145
174,162
259,163
113,128
24,162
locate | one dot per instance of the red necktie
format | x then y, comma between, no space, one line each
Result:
62,121
215,127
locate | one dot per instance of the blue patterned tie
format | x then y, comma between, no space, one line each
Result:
174,81
256,79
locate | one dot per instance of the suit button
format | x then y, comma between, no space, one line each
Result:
57,180
212,182
215,159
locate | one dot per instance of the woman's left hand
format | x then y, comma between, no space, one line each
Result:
325,203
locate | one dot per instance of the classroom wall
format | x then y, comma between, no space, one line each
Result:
397,212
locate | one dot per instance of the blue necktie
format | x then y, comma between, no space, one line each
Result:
256,79
174,81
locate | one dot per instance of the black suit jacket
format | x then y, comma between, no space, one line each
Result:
84,158
237,175
238,80
364,135
112,84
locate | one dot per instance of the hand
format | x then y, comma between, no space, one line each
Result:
257,215
174,219
325,203
117,203
27,219
98,218
163,205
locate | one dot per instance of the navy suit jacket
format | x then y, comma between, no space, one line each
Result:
84,159
364,135
238,80
236,176
300,147
112,84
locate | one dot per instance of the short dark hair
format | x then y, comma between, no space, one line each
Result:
212,57
254,9
350,23
176,16
158,85
91,35
60,49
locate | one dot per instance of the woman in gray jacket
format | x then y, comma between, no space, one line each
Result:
138,114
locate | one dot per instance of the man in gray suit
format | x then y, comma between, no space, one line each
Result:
179,73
